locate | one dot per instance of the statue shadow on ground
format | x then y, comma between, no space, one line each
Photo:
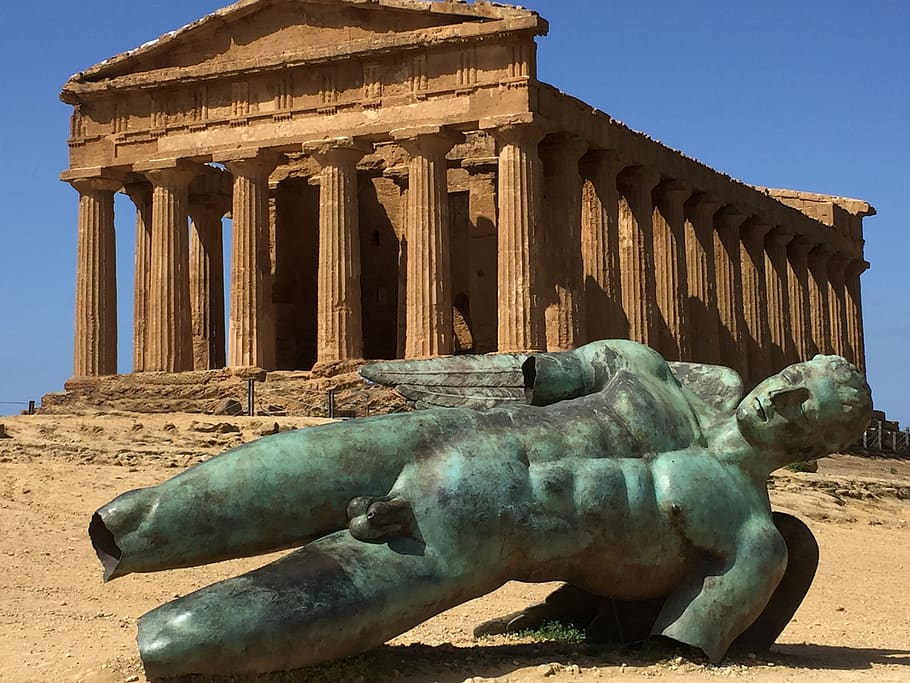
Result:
810,656
451,664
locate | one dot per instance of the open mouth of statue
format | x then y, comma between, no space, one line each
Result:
760,409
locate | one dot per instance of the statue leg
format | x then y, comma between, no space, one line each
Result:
277,492
333,598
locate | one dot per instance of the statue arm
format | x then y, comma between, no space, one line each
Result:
727,599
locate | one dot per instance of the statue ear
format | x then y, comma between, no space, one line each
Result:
788,402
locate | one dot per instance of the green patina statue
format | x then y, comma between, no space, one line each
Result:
604,467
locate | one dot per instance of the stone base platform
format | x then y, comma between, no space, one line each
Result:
295,393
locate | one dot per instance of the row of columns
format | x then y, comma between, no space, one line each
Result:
620,251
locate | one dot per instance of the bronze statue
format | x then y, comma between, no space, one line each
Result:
602,467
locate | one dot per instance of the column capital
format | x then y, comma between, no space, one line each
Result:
256,165
822,252
839,261
212,206
674,190
138,191
516,129
779,236
731,216
426,139
95,185
173,176
703,204
754,230
340,151
857,266
606,159
800,245
397,174
564,143
643,177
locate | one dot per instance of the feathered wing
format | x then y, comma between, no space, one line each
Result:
720,387
485,381
475,382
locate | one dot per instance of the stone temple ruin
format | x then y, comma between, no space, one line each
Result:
400,184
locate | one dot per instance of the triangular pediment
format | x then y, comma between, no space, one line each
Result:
260,33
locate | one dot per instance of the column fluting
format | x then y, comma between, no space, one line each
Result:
669,200
95,345
429,279
141,194
798,283
169,340
701,279
339,314
636,250
250,335
207,283
778,296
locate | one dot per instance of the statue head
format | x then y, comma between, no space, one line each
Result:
807,410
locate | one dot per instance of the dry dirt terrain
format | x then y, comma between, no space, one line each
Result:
58,622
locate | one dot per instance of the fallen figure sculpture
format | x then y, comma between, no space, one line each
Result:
640,484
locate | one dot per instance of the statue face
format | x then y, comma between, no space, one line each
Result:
794,410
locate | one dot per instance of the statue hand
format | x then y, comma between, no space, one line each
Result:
376,520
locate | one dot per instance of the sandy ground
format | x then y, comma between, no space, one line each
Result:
58,622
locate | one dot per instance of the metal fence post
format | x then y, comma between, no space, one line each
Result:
31,407
251,397
330,404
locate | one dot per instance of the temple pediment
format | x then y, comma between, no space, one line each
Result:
259,35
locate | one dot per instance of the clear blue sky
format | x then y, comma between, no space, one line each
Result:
806,95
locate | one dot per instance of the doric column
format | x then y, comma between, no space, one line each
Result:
482,202
756,333
727,223
207,283
778,296
339,315
798,282
399,175
251,333
837,309
669,200
604,317
820,320
429,278
701,279
521,324
169,340
636,250
95,347
560,154
141,194
854,308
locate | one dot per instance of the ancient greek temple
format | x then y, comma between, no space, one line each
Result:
400,184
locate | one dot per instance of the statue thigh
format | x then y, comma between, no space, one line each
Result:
333,598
